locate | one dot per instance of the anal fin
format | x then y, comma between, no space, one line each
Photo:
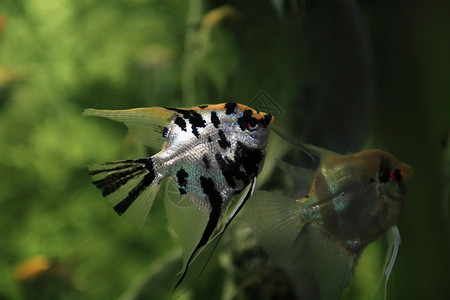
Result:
210,226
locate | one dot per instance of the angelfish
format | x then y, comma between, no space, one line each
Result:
352,200
210,153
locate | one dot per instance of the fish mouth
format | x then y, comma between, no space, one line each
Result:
395,199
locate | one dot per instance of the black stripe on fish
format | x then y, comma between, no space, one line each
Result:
246,121
193,117
266,120
196,121
384,172
165,132
238,209
113,182
122,161
216,201
124,164
244,168
123,205
228,169
122,173
182,176
223,142
251,159
202,106
184,112
230,108
214,119
206,161
180,122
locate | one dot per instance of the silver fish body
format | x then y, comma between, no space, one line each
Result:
220,154
210,153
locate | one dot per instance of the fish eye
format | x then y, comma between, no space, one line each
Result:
396,175
252,127
384,175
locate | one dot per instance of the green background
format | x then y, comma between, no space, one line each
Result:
345,79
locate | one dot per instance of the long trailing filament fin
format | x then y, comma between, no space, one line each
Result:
394,243
312,151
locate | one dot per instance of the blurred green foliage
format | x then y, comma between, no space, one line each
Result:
59,57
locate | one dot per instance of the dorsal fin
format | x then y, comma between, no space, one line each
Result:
312,151
146,124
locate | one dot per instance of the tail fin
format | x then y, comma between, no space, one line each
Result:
129,185
275,220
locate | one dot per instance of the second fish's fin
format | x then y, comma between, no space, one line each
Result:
332,265
274,220
301,175
393,244
146,124
312,151
129,185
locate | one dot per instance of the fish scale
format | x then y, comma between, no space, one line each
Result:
210,153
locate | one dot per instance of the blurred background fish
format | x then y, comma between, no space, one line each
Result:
352,200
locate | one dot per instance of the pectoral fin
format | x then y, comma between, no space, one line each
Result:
331,264
275,221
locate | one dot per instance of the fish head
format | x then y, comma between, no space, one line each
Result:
391,179
396,186
364,192
253,126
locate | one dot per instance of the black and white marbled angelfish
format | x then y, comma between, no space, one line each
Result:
210,153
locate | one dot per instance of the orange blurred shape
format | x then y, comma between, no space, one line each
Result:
226,15
31,268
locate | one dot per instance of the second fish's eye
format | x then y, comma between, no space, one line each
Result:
396,175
